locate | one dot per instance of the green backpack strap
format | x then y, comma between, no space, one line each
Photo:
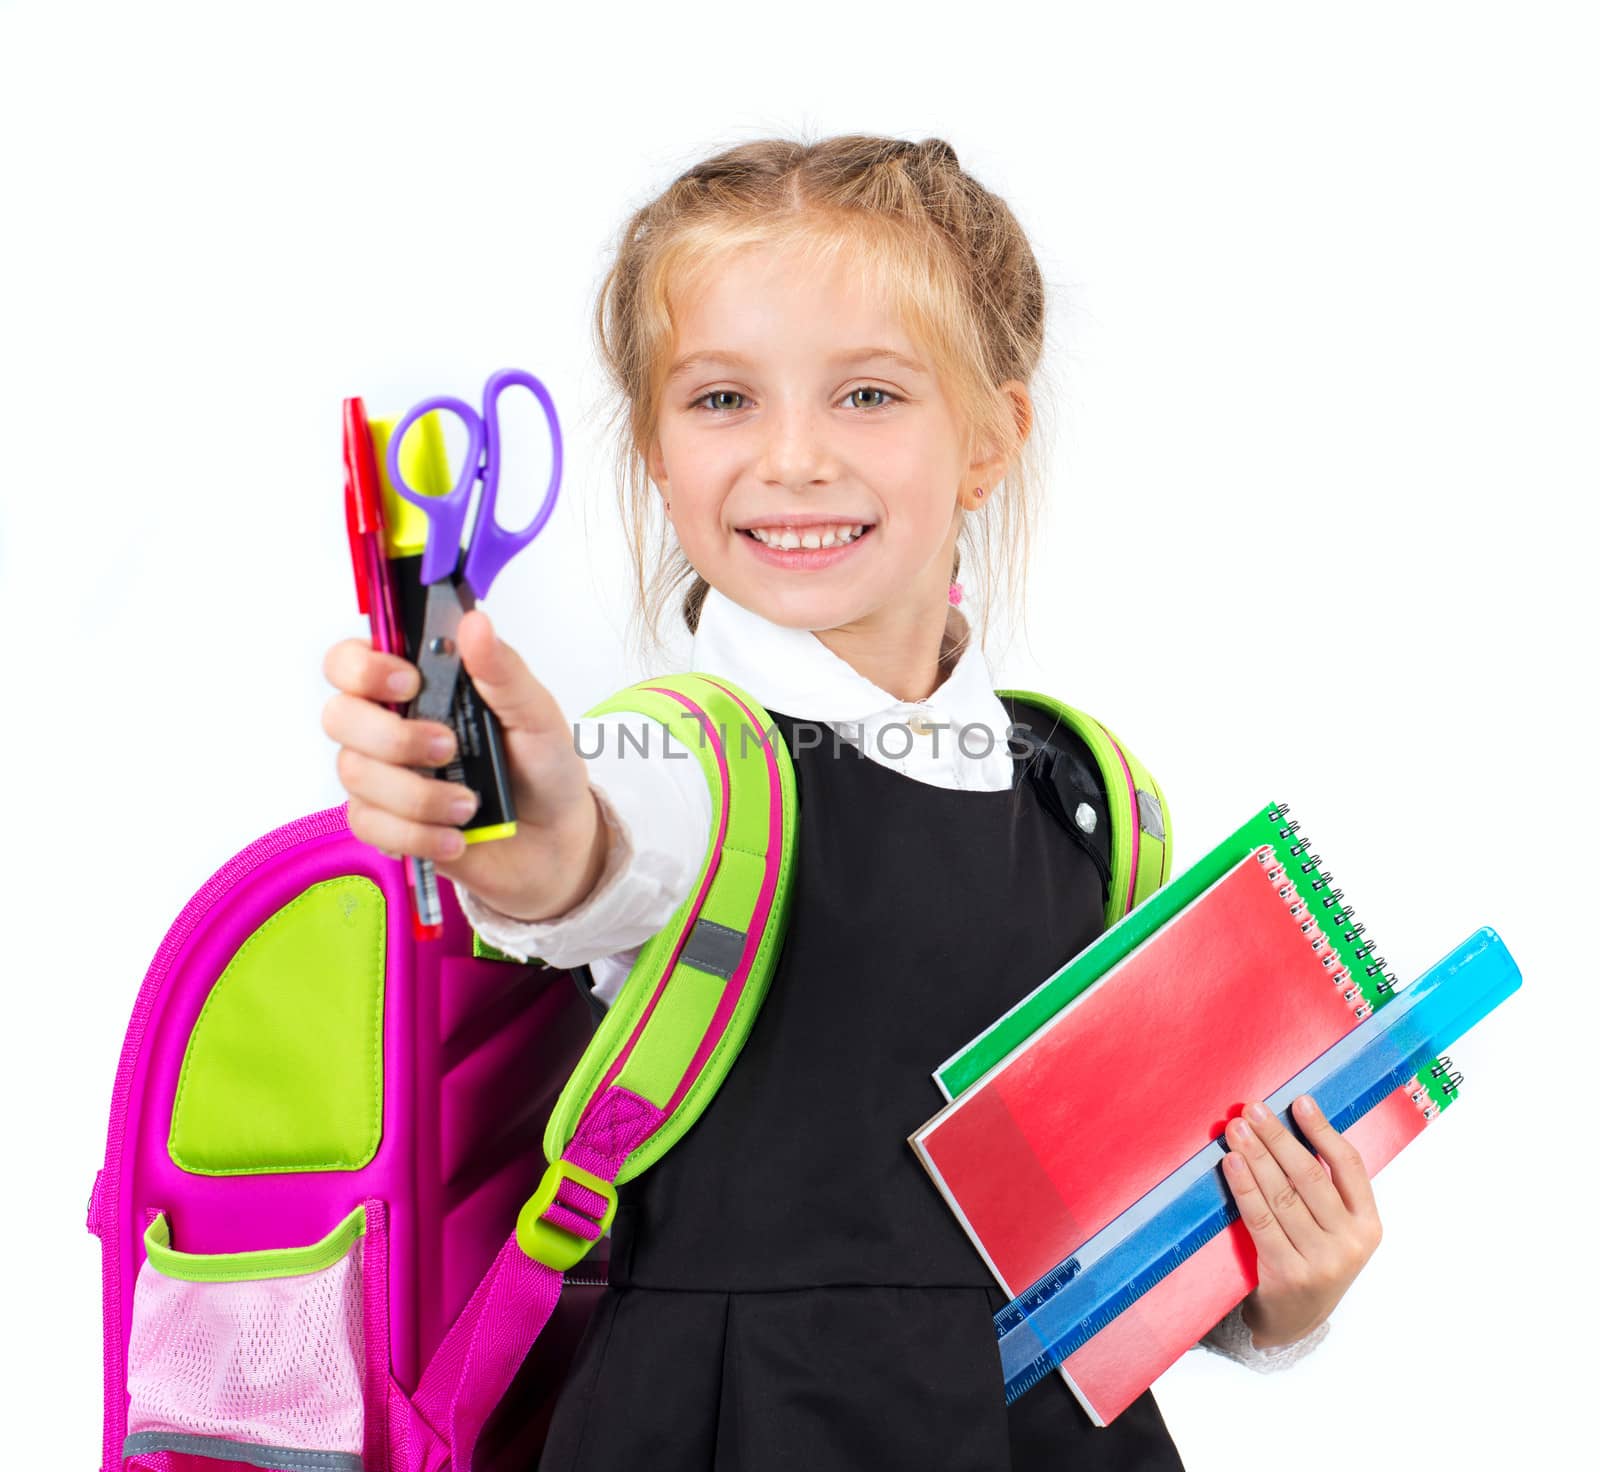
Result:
1141,826
687,1004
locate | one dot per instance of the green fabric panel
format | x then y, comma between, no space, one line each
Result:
734,890
483,951
749,824
676,1027
284,1068
241,1267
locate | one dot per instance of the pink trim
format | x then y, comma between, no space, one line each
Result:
1133,804
375,1332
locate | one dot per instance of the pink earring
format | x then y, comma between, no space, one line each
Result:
955,593
977,495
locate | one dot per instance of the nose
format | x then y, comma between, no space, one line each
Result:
795,451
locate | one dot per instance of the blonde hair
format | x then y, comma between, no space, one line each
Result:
948,253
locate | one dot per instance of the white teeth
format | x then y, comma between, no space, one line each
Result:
837,535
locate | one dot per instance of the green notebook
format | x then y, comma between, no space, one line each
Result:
1271,827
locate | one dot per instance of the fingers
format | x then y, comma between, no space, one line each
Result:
397,810
1350,1176
1271,1242
368,681
385,736
1293,1179
356,668
403,793
393,835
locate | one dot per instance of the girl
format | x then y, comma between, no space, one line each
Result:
824,355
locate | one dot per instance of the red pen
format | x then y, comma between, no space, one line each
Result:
369,561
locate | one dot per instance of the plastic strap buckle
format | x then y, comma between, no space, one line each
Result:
568,1191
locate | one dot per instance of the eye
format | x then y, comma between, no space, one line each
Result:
884,396
720,393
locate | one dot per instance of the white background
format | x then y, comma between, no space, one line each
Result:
1323,359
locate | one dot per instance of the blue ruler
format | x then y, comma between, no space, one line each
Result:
1080,1296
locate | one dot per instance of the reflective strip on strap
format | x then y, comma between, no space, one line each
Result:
714,948
226,1449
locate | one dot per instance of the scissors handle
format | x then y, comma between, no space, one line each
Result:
447,513
492,545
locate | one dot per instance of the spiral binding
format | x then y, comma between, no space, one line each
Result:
1449,1078
1352,932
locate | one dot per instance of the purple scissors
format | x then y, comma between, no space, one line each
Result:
490,546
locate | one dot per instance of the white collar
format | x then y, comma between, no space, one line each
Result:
793,671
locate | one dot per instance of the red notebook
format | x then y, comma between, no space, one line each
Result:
1224,1003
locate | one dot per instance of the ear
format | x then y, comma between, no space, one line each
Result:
656,466
989,467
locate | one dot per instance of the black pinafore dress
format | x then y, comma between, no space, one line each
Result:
788,1290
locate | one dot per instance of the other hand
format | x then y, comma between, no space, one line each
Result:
1314,1225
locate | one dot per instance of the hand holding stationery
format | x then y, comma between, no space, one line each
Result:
552,860
439,779
1313,1231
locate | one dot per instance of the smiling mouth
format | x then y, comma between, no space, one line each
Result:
794,538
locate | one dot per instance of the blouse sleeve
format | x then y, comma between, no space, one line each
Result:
1231,1338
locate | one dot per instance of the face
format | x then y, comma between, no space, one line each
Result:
815,472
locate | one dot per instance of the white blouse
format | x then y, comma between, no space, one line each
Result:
658,812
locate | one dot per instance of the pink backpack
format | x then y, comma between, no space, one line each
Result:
323,1130
263,1293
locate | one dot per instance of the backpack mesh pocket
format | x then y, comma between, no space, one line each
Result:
250,1356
